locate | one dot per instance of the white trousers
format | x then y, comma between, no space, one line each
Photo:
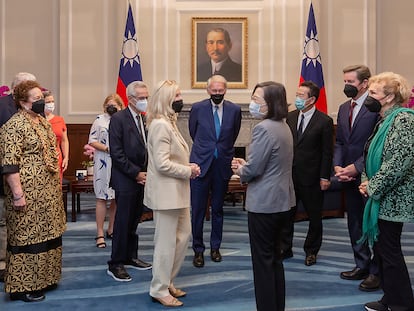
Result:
172,234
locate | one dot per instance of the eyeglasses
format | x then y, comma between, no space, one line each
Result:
257,98
140,97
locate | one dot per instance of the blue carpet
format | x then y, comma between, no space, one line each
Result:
216,287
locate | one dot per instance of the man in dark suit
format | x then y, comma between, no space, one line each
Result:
127,145
354,126
214,125
312,133
218,45
7,109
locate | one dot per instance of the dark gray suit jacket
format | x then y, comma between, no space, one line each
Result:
268,171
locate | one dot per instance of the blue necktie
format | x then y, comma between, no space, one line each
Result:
217,126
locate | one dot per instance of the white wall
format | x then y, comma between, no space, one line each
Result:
74,46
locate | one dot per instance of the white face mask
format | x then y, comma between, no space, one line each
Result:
254,109
50,107
141,105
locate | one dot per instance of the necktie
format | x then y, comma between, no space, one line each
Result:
300,129
351,111
216,126
141,128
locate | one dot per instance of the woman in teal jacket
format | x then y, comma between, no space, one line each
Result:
388,181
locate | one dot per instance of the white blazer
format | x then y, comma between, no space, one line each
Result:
168,174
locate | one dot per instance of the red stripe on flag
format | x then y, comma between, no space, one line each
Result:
121,91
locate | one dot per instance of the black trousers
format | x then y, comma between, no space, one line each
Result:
312,199
355,204
127,216
265,232
395,280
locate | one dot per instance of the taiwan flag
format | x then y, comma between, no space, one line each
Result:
311,61
130,64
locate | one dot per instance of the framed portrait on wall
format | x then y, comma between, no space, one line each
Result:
219,46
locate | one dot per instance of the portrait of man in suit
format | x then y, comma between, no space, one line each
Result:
219,50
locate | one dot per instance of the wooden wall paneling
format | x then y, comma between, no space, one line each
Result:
78,135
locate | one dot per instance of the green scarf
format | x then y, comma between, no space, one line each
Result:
373,163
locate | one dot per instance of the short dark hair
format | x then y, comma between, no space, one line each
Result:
313,89
362,71
275,98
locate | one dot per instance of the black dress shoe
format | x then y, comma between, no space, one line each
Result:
370,284
310,260
355,274
138,264
215,255
119,273
198,260
28,296
376,306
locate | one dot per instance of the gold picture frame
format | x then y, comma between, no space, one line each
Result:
227,44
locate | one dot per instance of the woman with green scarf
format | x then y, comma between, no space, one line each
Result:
388,181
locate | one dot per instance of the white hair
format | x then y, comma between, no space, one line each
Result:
20,77
130,90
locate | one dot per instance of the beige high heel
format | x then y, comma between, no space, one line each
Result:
176,292
173,302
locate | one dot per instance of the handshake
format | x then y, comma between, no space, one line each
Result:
195,170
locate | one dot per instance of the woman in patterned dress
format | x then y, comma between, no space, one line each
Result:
388,182
59,128
34,206
99,139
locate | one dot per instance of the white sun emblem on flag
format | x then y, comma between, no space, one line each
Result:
130,50
311,50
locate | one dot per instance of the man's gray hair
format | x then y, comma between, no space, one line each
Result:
130,90
20,77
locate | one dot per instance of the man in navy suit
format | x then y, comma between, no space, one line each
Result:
214,125
312,132
7,109
127,146
354,126
218,45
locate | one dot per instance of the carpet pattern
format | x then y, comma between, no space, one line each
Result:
218,286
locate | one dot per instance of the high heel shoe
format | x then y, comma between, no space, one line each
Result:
176,292
109,235
174,302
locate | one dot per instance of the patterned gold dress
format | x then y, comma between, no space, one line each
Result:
34,237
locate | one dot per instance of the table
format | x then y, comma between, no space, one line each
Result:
77,187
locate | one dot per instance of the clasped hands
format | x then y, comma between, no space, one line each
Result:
346,173
236,163
195,170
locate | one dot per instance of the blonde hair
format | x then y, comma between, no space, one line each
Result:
160,104
393,83
116,98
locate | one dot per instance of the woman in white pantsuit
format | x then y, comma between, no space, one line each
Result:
167,191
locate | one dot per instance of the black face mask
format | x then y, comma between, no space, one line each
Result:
111,110
350,90
372,104
217,98
177,105
38,106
